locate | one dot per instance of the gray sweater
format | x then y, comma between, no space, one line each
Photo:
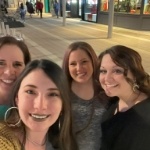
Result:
87,116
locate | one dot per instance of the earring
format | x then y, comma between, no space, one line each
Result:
59,126
135,86
17,124
59,121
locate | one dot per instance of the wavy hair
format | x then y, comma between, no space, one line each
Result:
129,60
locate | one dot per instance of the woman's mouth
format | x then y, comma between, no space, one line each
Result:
8,81
39,117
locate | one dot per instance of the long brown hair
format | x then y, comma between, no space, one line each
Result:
91,53
61,136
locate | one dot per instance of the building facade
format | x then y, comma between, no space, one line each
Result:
131,14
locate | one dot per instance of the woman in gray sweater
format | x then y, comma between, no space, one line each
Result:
80,65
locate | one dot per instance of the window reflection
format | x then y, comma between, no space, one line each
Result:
123,6
90,10
68,8
146,7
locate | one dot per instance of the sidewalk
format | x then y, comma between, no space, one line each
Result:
48,38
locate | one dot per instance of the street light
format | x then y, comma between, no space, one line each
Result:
64,12
110,18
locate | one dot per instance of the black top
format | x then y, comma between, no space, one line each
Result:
128,130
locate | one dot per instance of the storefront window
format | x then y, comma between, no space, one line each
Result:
90,10
123,6
68,8
104,5
146,7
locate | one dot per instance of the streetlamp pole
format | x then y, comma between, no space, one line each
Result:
64,12
110,18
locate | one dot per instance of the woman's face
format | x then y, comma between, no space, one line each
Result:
80,66
39,101
11,65
112,78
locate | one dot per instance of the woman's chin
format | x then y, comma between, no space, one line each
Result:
108,93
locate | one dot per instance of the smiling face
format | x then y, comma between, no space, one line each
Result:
38,101
80,66
11,65
112,78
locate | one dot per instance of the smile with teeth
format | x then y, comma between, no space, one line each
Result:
39,116
81,74
8,81
110,85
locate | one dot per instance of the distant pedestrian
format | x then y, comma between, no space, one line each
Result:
40,7
3,6
36,9
56,8
22,12
30,8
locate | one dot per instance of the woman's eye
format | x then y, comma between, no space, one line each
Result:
2,63
30,92
102,71
118,71
53,94
17,64
85,61
72,64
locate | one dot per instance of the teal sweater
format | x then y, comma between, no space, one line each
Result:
3,109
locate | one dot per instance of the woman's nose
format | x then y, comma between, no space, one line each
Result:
79,66
108,77
9,70
40,103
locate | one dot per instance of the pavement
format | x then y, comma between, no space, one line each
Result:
48,38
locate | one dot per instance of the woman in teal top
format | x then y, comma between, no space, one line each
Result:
14,55
3,109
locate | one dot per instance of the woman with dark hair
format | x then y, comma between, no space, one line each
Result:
40,117
126,124
14,55
30,8
80,64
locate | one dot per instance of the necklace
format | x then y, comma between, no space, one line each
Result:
35,143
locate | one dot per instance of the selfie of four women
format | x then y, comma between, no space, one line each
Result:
91,103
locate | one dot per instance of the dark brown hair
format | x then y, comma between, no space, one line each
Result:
59,135
129,60
9,40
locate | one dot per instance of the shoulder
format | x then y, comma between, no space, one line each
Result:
3,109
110,108
2,126
7,139
6,143
142,108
